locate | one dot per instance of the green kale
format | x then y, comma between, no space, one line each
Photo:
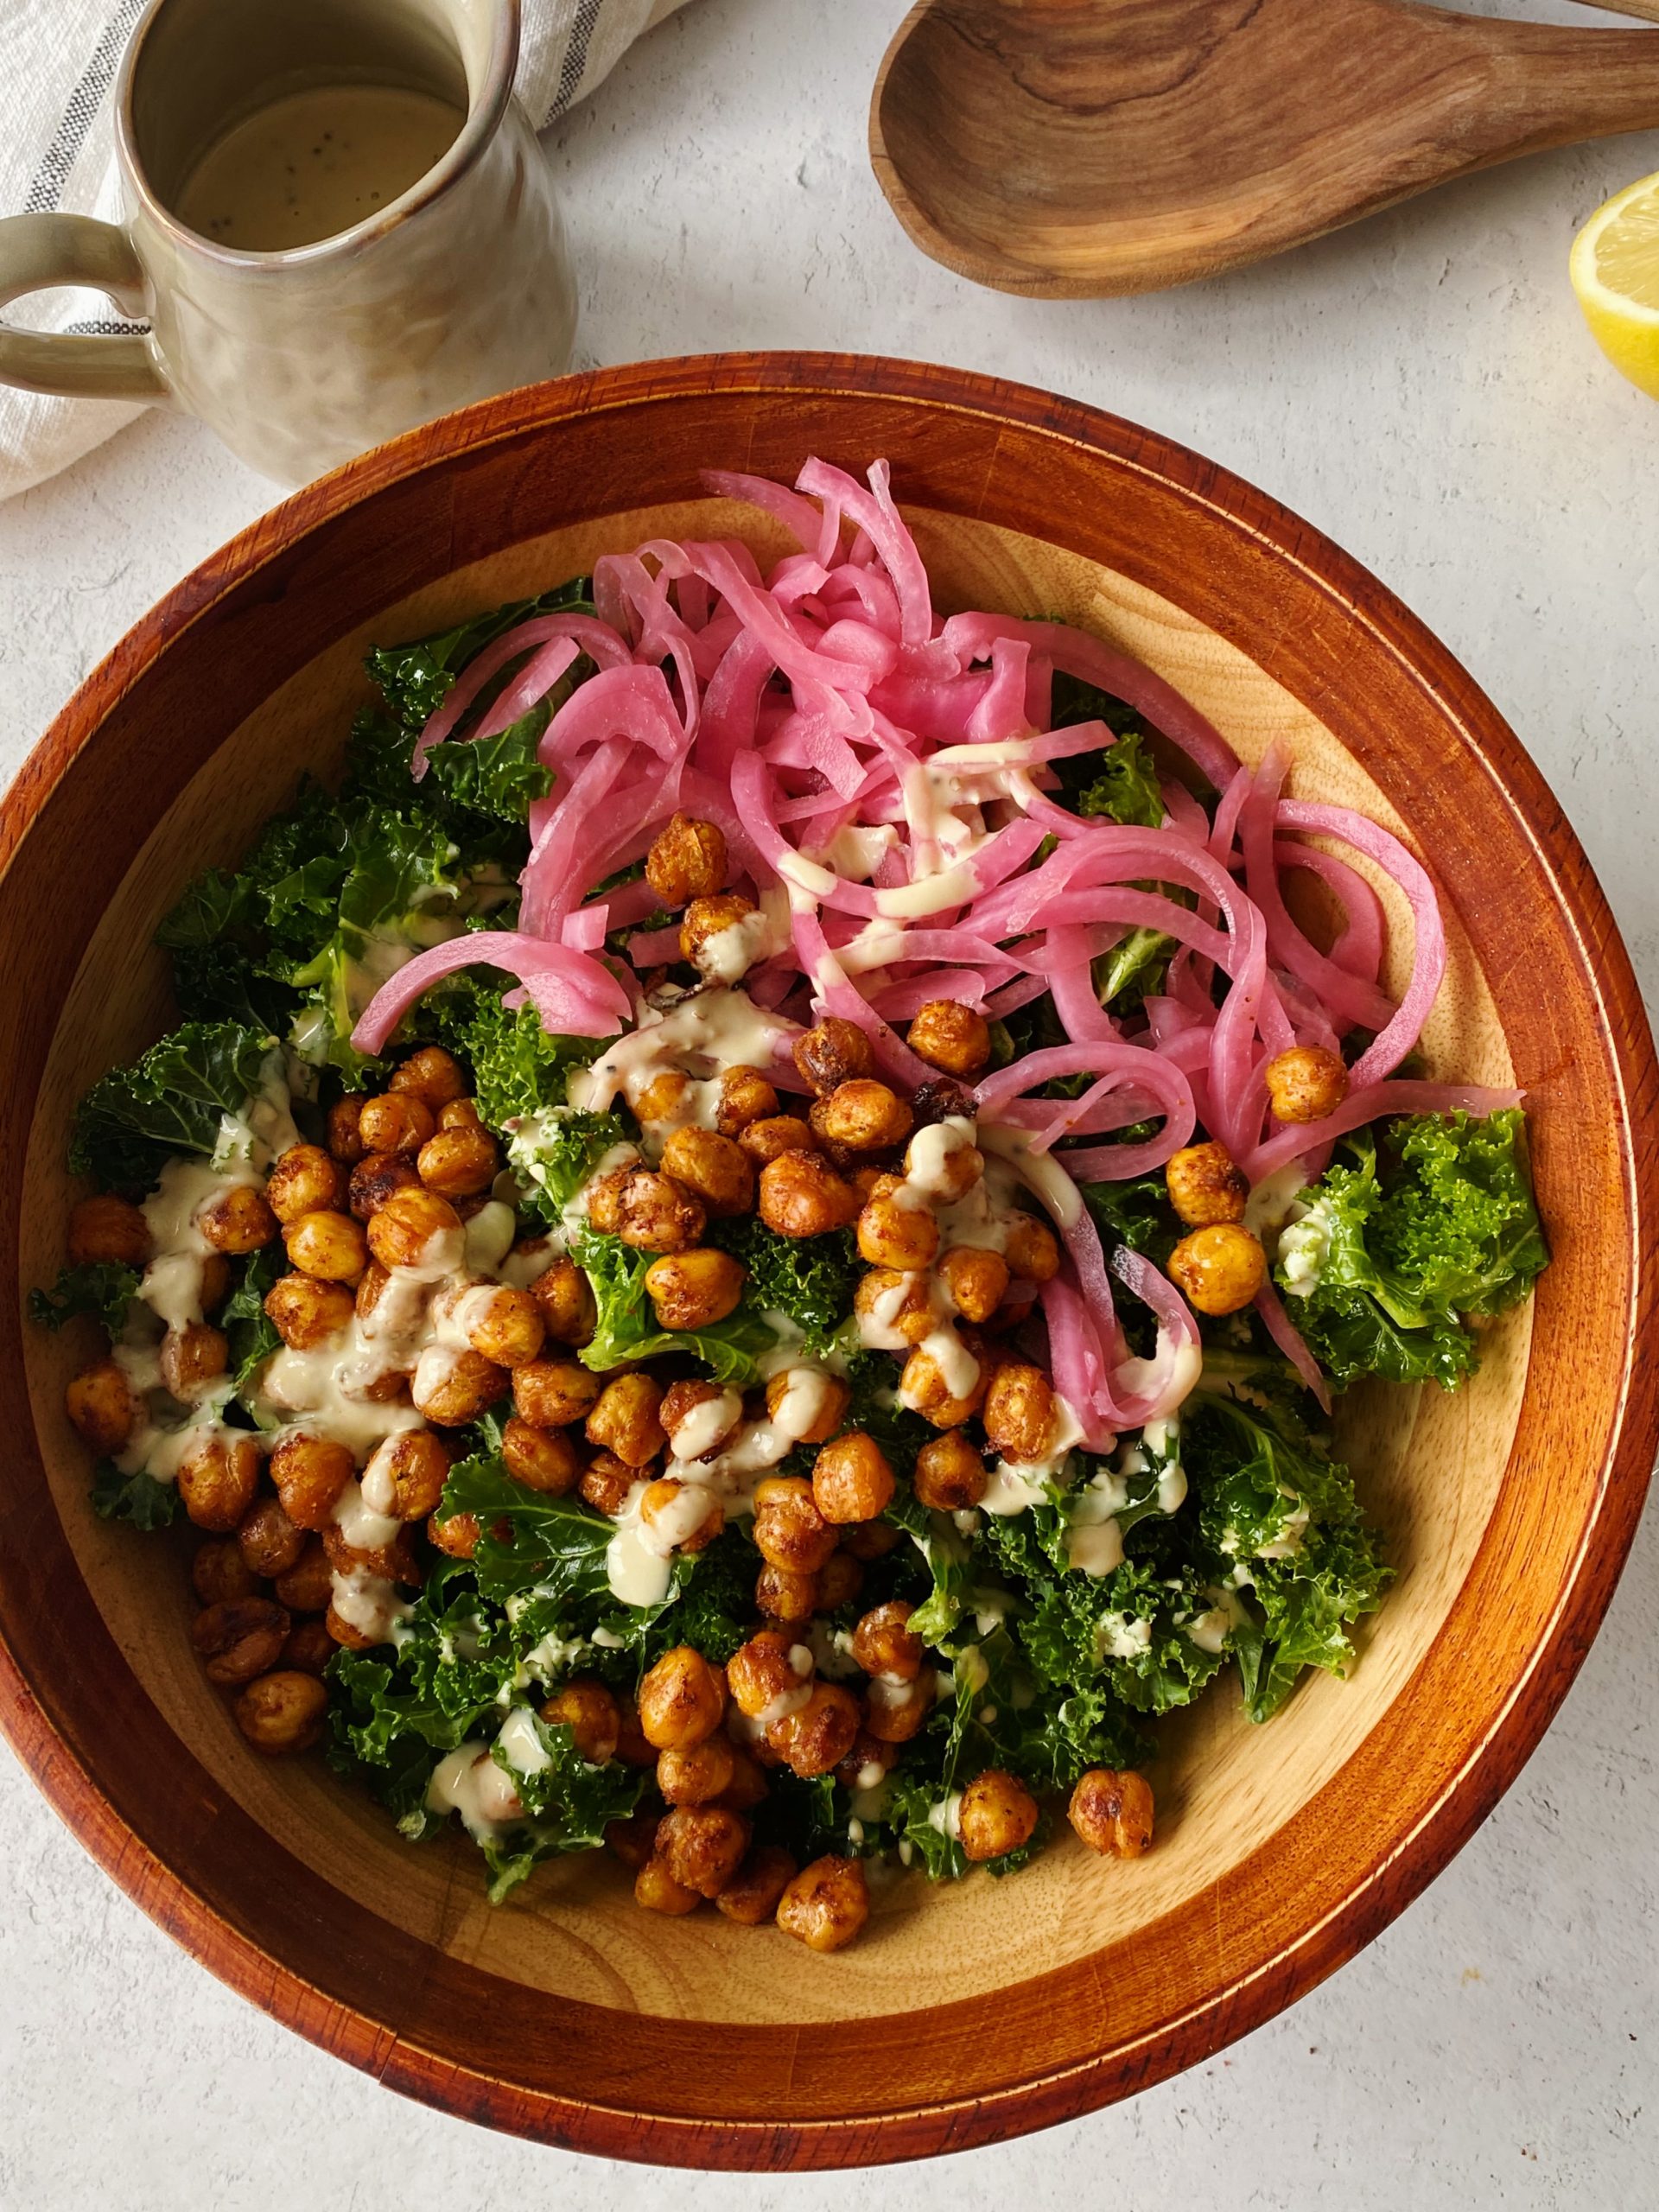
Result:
138,1498
628,1330
554,1546
949,1558
714,1607
1137,1214
569,1803
416,678
171,1100
810,1279
253,1334
1126,789
554,1150
873,1406
100,1286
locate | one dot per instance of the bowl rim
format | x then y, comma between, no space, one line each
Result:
1513,1729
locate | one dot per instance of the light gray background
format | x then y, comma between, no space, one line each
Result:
1423,389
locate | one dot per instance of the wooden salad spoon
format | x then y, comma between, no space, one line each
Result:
1073,148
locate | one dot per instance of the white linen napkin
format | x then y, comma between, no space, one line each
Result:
57,152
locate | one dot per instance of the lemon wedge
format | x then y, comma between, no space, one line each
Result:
1614,272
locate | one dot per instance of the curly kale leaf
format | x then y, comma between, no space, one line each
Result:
810,1279
1126,789
100,1287
949,1558
554,1545
555,1149
1137,1214
416,678
569,1803
628,1329
170,1100
251,1332
138,1498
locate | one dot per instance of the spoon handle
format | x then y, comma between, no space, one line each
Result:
1647,9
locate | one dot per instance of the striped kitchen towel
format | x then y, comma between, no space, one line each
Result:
57,152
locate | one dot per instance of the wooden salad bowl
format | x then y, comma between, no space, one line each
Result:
970,2012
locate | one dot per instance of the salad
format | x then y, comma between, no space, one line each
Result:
745,1248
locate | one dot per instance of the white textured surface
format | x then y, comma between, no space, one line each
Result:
1420,388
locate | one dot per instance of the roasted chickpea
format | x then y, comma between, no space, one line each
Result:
895,1235
655,1214
100,1402
193,1358
950,1476
818,1734
693,1290
753,1893
789,1526
240,1640
219,1575
898,1301
710,1432
268,1540
663,1098
239,1221
406,1476
631,1747
870,1540
306,1313
715,1169
894,1712
217,1480
282,1711
431,1075
308,1587
746,1097
1305,1084
926,1387
851,1479
942,1098
1031,1250
783,1595
331,1246
306,1179
669,1504
308,1647
862,1115
951,1036
997,1814
393,1562
565,1298
506,1326
840,1580
460,1114
416,1228
769,1138
975,1280
1219,1270
451,1388
687,860
707,918
761,1671
698,1776
883,1642
347,1633
1112,1812
801,1195
555,1393
1204,1187
398,1122
606,1484
457,1536
108,1232
656,1889
703,1845
944,1161
866,1766
374,1179
310,1473
215,1281
459,1163
633,1840
603,1200
747,1787
826,1903
801,1390
344,1136
834,1052
588,1711
1020,1412
626,1420
542,1458
681,1701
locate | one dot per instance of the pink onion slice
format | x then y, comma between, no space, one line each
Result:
571,990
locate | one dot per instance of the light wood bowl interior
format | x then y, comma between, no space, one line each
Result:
569,2012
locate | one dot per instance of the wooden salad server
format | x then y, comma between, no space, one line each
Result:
1069,148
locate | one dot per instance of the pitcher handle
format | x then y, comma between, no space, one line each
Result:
39,252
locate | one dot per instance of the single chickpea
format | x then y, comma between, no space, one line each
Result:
789,1529
542,1458
663,1098
626,1420
631,1746
1305,1084
896,1302
606,1484
746,1097
506,1326
656,1214
747,1787
769,1138
760,1671
238,1640
458,1536
459,1163
704,1844
840,1580
219,1575
950,1476
633,1840
870,1540
851,1479
344,1136
1031,1248
949,1035
306,1313
268,1540
306,1179
375,1179
714,1168
752,1895
1112,1812
698,1776
829,1398
108,1232
410,1470
586,1708
603,1200
308,1587
834,1052
895,1712
217,1480
819,1734
282,1712
655,1888
997,1814
664,1510
433,1076
308,1647
1020,1412
946,1163
239,1221
393,1562
706,919
555,1393
687,860
682,1700
693,1290
1204,1187
310,1473
883,1642
801,1195
398,1122
193,1358
215,1281
346,1634
100,1402
826,1903
565,1297
783,1595
1219,1270
681,1400
926,1387
460,1114
416,1228
895,1235
975,1280
451,1388
863,1115
331,1246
